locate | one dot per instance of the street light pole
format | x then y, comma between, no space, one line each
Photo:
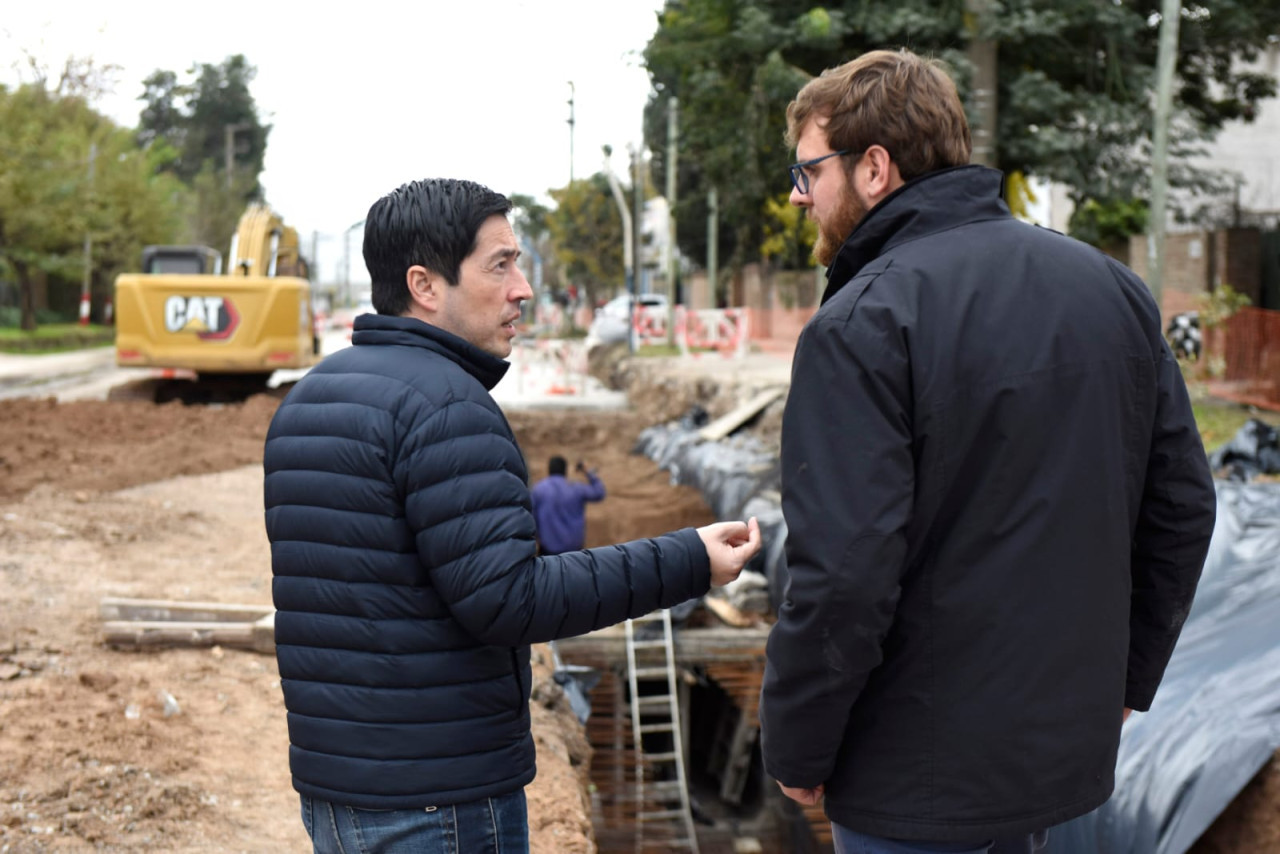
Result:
627,253
346,260
86,282
1166,62
571,91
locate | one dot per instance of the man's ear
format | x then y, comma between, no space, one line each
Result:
424,289
882,173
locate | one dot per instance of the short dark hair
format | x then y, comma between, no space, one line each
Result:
557,466
432,222
896,99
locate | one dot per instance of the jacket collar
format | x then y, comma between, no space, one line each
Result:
411,332
929,204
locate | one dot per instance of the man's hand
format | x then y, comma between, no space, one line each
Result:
804,797
729,546
1127,712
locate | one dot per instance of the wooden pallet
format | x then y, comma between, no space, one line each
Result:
151,623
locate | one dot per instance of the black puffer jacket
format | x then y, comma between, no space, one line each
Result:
998,507
405,580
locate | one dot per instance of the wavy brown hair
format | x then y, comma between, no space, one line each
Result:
897,99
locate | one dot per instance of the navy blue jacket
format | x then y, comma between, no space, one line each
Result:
998,507
559,508
405,579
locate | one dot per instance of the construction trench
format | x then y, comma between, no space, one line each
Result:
1198,773
101,500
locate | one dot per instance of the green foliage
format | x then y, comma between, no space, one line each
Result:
1219,304
587,232
1075,90
67,173
1109,222
193,123
53,337
788,234
530,220
1219,421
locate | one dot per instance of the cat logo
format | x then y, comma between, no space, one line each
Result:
210,318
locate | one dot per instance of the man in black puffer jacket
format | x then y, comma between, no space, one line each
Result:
406,585
996,497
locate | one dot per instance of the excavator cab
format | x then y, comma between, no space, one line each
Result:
181,260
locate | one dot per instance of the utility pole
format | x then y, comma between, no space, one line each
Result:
637,223
983,56
88,243
713,241
571,91
230,147
627,254
346,260
1166,63
672,153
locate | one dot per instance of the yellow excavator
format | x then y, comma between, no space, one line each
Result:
226,331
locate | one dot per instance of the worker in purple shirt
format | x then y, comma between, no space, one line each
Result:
559,506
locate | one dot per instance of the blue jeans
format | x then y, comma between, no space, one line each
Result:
489,826
852,842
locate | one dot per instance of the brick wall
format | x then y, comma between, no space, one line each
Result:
1195,262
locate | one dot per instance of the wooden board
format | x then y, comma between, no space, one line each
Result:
115,608
730,421
154,623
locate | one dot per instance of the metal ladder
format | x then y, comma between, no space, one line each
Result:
663,815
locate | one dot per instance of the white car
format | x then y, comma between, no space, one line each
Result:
612,320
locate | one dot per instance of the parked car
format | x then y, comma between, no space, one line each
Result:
612,320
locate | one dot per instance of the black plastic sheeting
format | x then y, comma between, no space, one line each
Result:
1254,450
738,477
1216,718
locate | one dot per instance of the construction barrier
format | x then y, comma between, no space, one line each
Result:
723,329
1245,350
649,323
553,366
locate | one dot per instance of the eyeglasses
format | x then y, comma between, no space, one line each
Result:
800,178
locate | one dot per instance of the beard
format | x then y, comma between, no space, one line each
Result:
835,230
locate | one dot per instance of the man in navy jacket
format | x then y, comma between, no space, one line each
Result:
406,585
996,497
560,504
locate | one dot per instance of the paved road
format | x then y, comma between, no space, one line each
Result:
74,375
543,374
539,378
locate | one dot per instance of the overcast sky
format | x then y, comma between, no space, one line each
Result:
365,96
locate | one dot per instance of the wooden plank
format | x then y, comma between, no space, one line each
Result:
692,646
727,423
264,634
727,613
161,633
159,610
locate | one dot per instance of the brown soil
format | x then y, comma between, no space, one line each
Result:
130,499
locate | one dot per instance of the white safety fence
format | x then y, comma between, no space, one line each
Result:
725,330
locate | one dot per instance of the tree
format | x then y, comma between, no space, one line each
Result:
67,172
587,232
720,58
531,222
201,127
1075,79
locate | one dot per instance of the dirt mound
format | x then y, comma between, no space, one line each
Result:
100,446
